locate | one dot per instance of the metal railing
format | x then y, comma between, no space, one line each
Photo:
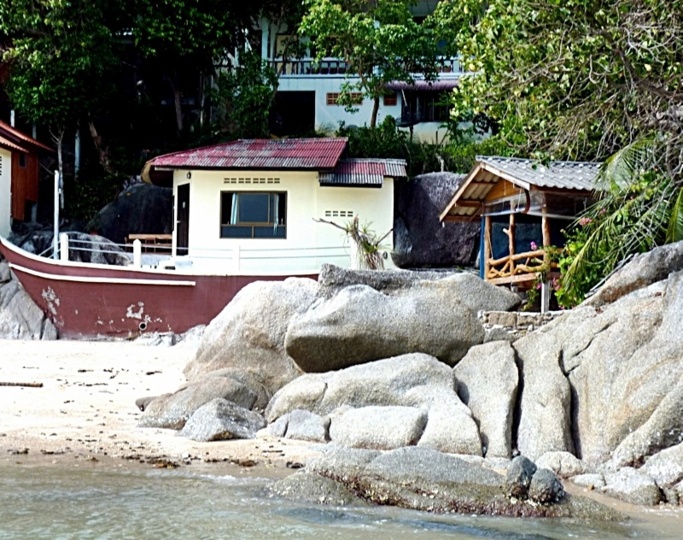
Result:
236,255
337,66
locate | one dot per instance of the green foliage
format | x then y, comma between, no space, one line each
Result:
243,97
379,41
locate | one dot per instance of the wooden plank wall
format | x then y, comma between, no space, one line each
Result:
24,184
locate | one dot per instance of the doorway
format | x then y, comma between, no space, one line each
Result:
183,223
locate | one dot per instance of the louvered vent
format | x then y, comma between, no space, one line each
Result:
251,181
338,213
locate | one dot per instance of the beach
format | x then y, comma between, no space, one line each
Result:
85,408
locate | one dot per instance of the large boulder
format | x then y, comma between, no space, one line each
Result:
361,324
141,208
486,381
173,410
379,428
666,467
222,420
424,479
20,317
420,239
413,380
545,401
249,334
632,486
644,270
627,380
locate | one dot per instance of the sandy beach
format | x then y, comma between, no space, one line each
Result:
85,408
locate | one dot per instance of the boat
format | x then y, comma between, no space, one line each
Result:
259,212
86,300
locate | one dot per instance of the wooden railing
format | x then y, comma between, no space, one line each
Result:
519,267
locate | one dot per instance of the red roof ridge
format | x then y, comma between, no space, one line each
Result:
13,132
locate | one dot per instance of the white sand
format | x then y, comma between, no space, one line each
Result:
86,406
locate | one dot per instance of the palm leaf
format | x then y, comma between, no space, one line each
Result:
675,231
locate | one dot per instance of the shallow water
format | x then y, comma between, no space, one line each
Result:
69,502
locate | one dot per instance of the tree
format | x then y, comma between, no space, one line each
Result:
59,52
379,41
588,79
243,97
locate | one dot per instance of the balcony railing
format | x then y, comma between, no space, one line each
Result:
337,66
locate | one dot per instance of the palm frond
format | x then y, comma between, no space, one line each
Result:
627,165
675,231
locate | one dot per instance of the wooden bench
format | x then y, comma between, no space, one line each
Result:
152,242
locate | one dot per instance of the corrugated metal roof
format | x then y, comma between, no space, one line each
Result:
14,136
6,143
558,174
364,172
297,154
525,174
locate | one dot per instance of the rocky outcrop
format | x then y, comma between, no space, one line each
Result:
221,420
415,380
632,486
173,410
20,317
644,270
420,239
141,208
361,324
424,479
249,334
486,381
300,425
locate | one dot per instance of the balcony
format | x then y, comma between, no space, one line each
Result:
297,67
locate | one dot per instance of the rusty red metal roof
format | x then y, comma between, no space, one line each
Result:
6,143
12,136
364,172
296,154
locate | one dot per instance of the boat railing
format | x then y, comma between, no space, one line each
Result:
140,257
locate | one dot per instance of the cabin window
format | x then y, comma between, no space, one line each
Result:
390,100
250,214
22,160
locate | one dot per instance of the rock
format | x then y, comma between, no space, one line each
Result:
420,239
412,380
632,486
424,479
141,403
220,420
304,426
248,335
312,488
644,270
545,488
545,422
563,464
20,317
360,324
666,467
378,428
141,208
486,381
518,477
626,383
173,410
590,481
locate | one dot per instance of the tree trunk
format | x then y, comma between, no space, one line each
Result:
375,110
102,152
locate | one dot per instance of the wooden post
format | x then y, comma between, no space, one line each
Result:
545,289
487,243
511,243
63,247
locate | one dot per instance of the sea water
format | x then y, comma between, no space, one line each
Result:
74,502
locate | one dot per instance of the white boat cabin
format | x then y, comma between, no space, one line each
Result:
250,207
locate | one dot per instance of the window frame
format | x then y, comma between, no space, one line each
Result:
255,226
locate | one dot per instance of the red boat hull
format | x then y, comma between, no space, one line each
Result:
89,300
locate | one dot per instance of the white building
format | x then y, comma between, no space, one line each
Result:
254,203
308,90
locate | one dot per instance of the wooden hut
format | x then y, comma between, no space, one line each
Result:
523,205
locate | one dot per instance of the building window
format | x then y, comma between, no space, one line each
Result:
22,160
332,98
424,107
249,214
390,100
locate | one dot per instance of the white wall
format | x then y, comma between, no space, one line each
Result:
307,244
5,192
